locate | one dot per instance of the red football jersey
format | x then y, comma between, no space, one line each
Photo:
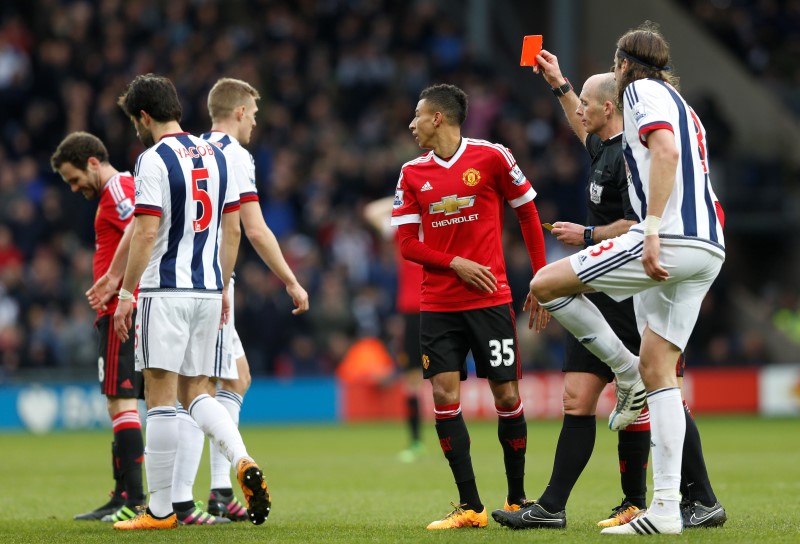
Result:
114,212
459,202
409,282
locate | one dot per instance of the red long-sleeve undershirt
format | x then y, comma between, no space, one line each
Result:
412,249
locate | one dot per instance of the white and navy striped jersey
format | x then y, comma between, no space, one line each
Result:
690,217
184,180
241,162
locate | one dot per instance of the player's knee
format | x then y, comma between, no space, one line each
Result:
577,405
444,396
117,405
540,287
658,376
506,400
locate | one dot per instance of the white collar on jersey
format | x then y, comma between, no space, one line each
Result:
448,163
116,176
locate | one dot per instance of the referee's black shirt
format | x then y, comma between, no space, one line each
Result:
607,189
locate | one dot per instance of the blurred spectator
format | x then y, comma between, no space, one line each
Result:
765,35
10,255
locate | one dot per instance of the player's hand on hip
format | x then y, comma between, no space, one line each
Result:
474,274
299,298
650,254
122,319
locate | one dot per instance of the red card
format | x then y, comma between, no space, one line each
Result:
531,46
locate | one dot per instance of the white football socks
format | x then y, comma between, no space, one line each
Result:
161,443
215,421
187,458
667,430
220,466
580,317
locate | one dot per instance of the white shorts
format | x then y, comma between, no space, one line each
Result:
669,308
229,347
177,334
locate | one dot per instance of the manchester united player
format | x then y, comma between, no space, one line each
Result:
456,192
82,160
409,279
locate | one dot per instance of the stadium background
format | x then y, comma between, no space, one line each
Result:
339,81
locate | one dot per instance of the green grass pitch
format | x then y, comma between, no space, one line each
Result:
342,483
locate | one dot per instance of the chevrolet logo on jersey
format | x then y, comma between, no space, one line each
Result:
452,204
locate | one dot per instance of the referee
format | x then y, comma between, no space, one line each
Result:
597,121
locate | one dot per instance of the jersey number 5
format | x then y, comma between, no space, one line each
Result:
502,352
202,200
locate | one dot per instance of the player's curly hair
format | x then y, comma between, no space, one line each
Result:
647,53
154,94
448,99
76,149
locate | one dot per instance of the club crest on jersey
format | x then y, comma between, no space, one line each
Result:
426,362
595,192
398,198
471,177
452,204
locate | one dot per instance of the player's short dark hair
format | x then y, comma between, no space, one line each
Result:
448,99
76,149
154,94
648,54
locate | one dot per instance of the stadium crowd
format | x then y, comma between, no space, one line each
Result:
765,35
339,80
